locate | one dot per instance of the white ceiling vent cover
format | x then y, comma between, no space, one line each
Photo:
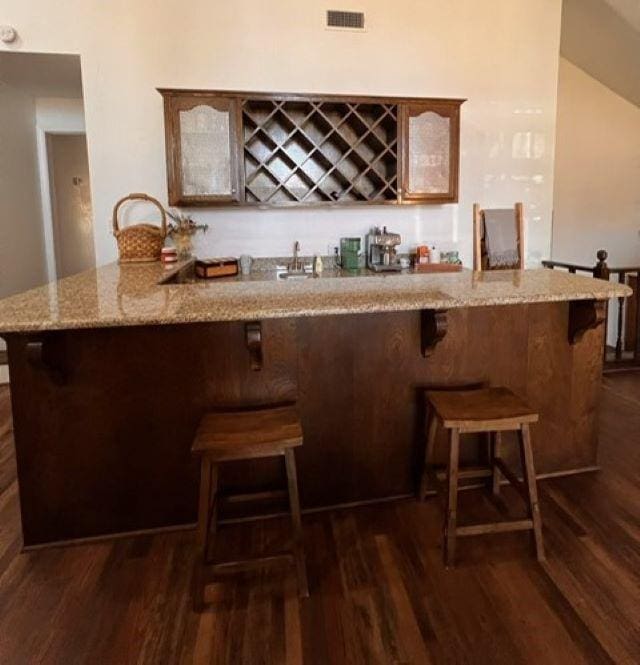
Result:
345,20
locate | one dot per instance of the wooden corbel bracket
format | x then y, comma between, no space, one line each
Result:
253,339
433,324
39,357
585,315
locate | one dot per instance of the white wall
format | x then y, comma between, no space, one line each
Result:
21,245
500,54
24,189
60,114
597,174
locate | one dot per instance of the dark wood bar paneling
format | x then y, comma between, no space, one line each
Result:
104,448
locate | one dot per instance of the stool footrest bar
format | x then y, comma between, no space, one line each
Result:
224,567
254,496
494,527
468,472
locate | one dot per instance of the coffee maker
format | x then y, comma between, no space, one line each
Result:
381,250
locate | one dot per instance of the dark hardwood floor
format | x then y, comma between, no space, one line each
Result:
379,592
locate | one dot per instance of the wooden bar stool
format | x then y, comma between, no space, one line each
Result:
245,435
490,411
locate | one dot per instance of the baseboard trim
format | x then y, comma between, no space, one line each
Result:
88,540
613,369
569,472
254,518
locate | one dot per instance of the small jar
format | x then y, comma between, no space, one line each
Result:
169,255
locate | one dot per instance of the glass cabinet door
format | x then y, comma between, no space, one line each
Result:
429,152
205,163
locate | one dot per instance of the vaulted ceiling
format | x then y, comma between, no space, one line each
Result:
629,10
602,37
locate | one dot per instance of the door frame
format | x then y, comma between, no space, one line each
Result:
48,229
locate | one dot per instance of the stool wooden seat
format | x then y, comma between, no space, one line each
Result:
481,410
491,411
244,435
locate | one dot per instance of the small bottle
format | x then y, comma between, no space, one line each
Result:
317,265
422,254
434,255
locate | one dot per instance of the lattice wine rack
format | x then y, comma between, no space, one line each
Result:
319,151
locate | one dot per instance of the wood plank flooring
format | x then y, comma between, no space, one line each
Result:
379,592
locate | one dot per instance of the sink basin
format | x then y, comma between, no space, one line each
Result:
186,275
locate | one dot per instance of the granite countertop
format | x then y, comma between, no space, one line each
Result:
127,295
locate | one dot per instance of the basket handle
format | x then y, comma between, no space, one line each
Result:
139,197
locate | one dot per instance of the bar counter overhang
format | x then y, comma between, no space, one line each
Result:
111,372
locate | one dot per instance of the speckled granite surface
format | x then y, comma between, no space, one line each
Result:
130,295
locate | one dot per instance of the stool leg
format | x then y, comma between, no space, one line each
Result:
208,483
212,524
529,474
294,502
428,456
497,451
488,439
452,499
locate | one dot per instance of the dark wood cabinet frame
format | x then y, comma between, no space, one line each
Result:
383,183
446,109
174,103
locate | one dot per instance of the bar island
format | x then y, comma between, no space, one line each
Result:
112,369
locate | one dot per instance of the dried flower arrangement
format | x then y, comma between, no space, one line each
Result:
181,231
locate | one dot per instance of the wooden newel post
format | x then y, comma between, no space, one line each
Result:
601,269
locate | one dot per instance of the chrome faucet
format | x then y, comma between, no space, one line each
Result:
295,265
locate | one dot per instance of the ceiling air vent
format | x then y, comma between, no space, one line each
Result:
345,20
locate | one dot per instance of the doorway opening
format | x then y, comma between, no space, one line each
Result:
70,201
42,141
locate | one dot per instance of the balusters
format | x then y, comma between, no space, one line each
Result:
601,270
636,350
622,278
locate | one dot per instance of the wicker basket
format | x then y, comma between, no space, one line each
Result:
140,243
